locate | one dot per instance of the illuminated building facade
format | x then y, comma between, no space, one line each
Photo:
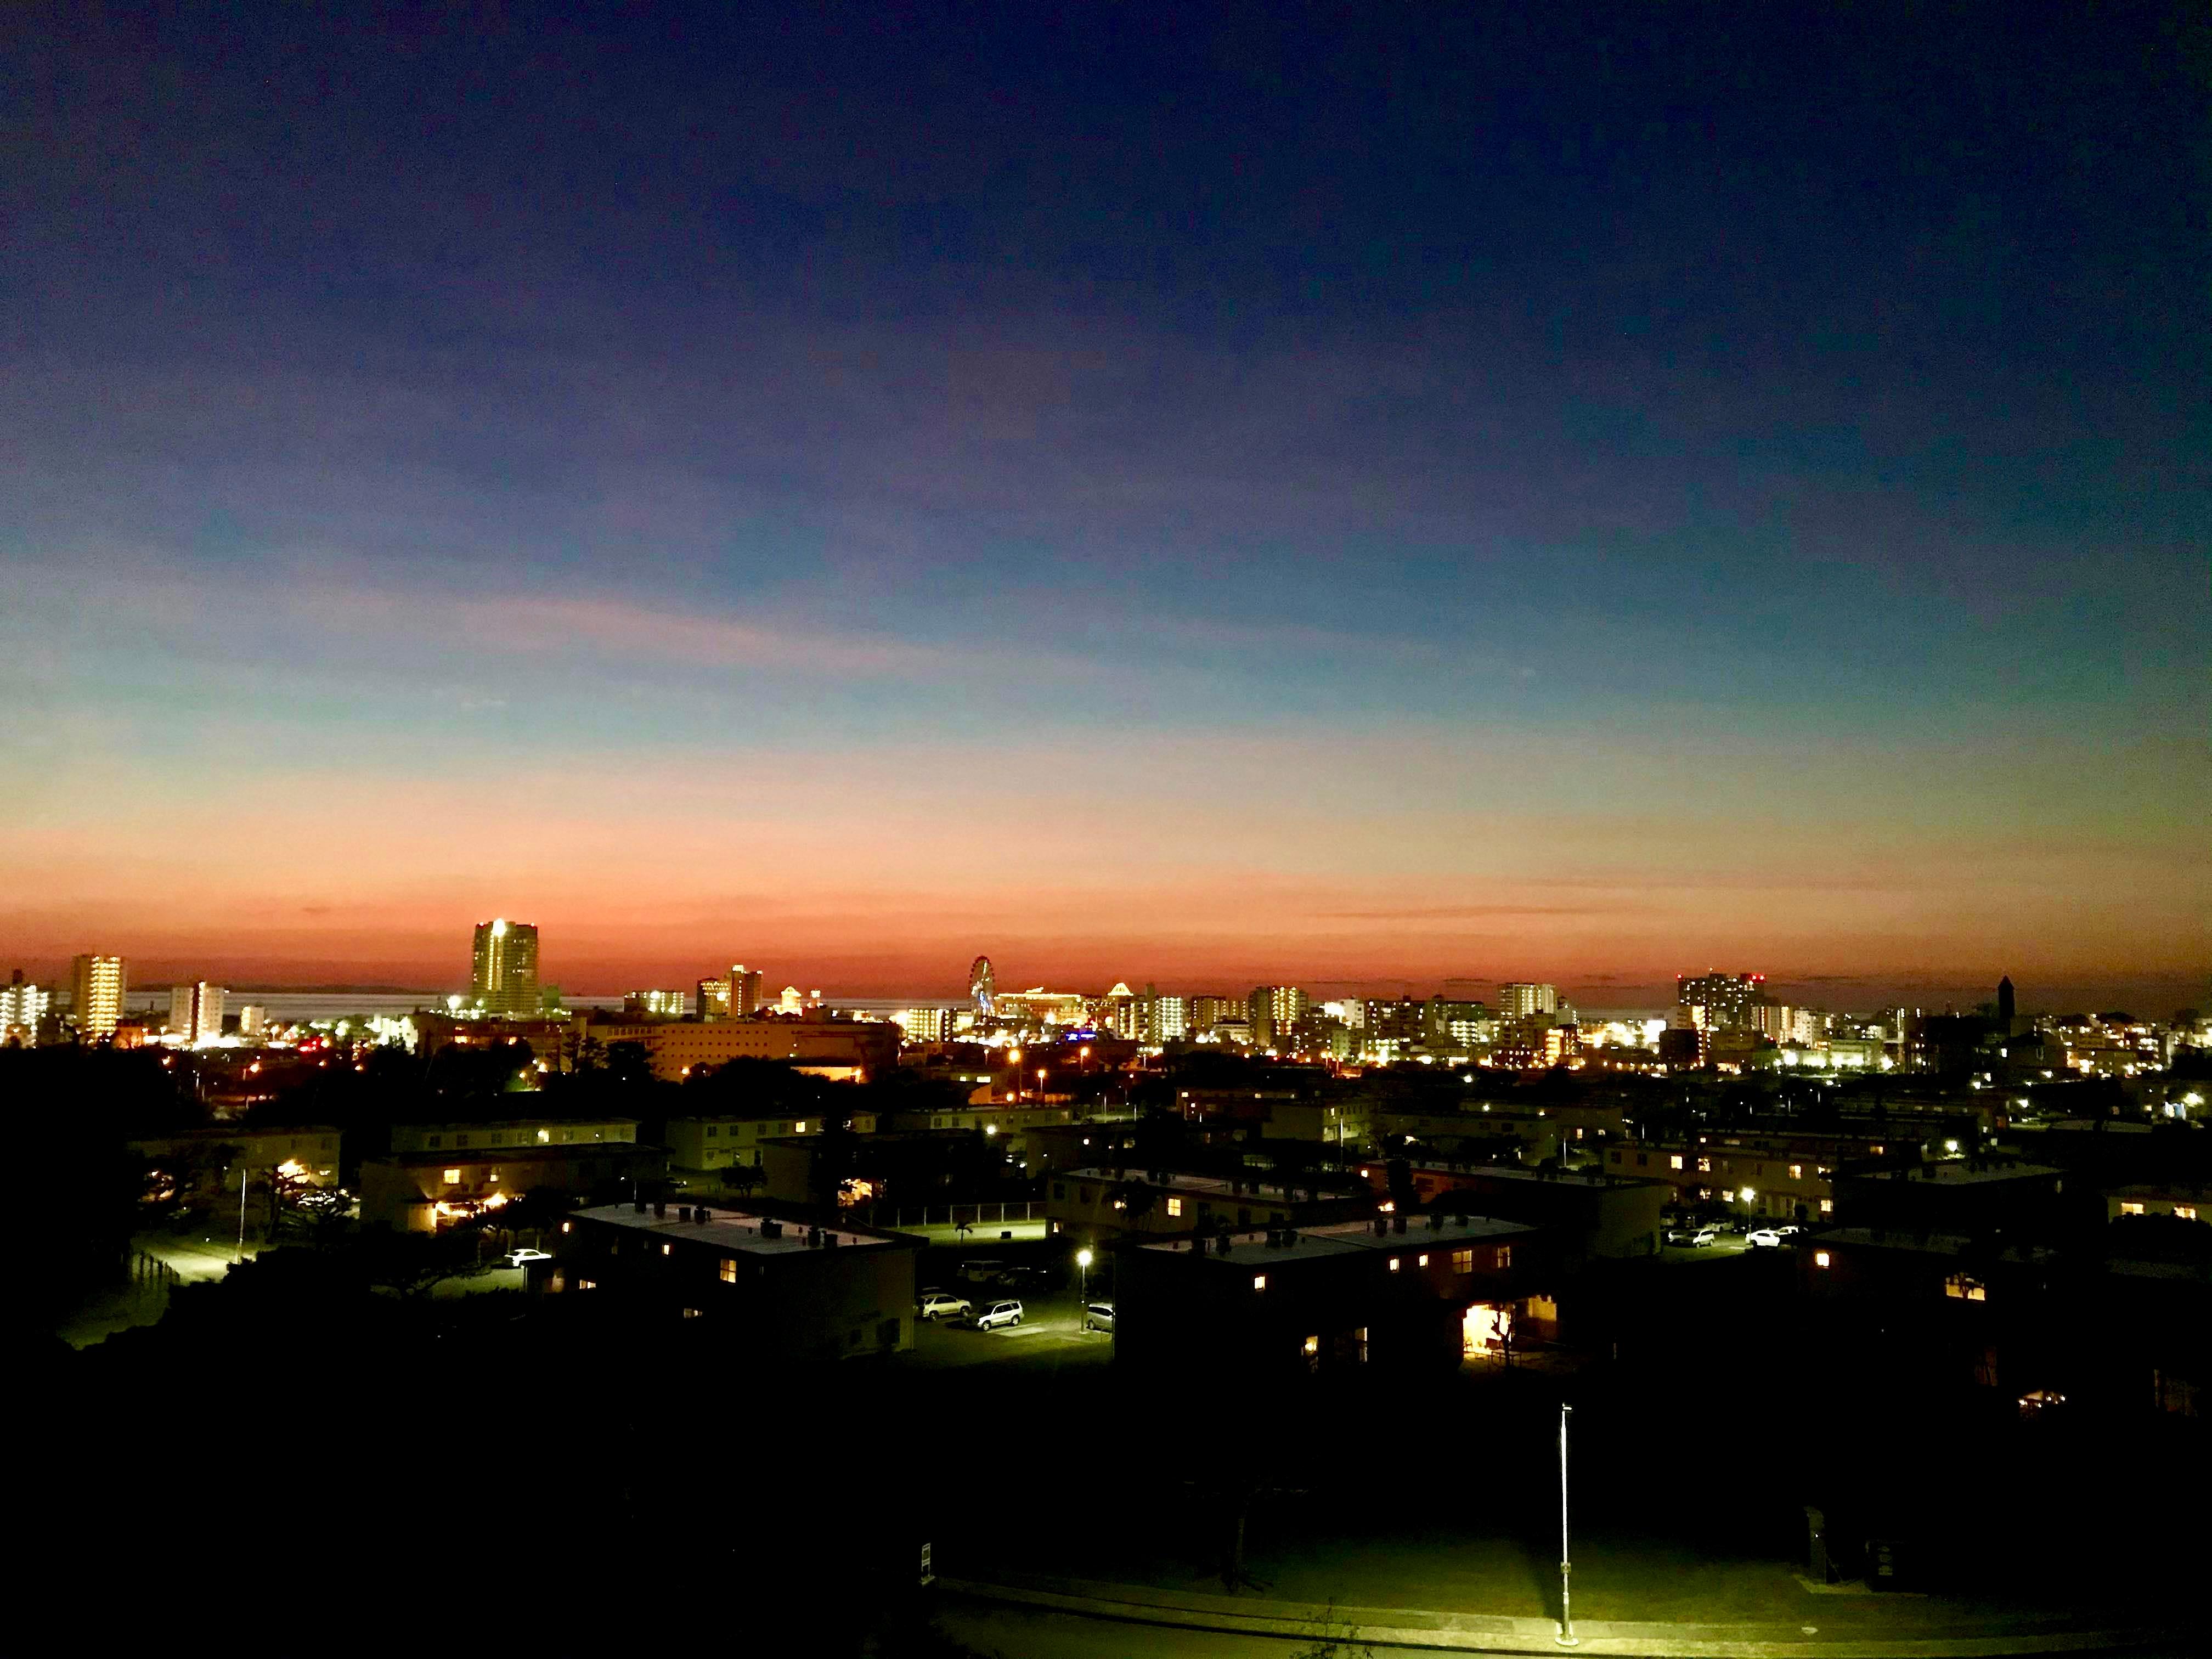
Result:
713,999
503,977
196,1011
22,1007
1722,1002
1520,1001
1273,1011
669,1005
96,988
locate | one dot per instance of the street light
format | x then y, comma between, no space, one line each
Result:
1566,1637
1083,1284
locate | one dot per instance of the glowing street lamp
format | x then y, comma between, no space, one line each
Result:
1566,1637
1083,1260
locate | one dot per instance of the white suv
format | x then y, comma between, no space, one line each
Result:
935,1305
998,1313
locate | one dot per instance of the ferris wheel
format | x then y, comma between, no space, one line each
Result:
982,985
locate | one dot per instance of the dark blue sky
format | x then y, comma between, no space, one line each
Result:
1806,392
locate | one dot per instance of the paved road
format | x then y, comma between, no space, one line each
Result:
1027,1633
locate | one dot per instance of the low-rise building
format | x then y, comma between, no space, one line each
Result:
506,1132
2182,1202
420,1191
1591,1216
1103,1204
773,1285
1285,1302
717,1140
845,1050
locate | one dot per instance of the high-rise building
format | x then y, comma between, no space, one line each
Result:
22,1005
1518,1001
1171,1018
1722,1002
672,1005
1272,1010
252,1019
196,1011
713,999
926,1024
2007,1005
96,988
503,979
744,991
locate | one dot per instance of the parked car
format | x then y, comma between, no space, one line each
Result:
524,1258
1696,1234
936,1304
998,1313
1098,1316
1024,1278
979,1271
1767,1238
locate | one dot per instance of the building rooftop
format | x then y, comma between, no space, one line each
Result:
1218,1186
1956,1172
1350,1238
1901,1238
1538,1177
453,1156
732,1229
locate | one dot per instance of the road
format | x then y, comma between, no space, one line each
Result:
1030,1633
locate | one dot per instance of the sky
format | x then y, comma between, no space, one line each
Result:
1349,496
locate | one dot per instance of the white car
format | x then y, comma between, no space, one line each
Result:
936,1304
1098,1316
998,1313
1772,1238
1697,1238
524,1258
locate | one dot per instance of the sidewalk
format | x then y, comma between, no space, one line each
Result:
1937,1637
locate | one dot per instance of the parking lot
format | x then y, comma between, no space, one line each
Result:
1051,1332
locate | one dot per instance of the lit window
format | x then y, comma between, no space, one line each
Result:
728,1269
801,1127
1396,1263
2131,1209
1423,1260
1259,1281
1462,1262
1796,1172
453,1177
567,1226
1174,1206
1313,1346
2184,1211
1819,1258
1504,1255
587,1284
691,1313
1966,1287
668,1250
1704,1166
1674,1161
1827,1206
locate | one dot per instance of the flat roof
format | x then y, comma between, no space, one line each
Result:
731,1229
1548,1178
1952,1173
1901,1238
473,1125
433,1159
1171,1180
1349,1238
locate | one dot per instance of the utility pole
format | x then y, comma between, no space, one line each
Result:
1566,1637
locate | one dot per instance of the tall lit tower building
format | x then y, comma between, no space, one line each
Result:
503,979
22,1007
1519,1001
745,990
196,1011
96,988
1272,1010
1722,1002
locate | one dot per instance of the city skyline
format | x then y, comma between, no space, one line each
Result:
1213,518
